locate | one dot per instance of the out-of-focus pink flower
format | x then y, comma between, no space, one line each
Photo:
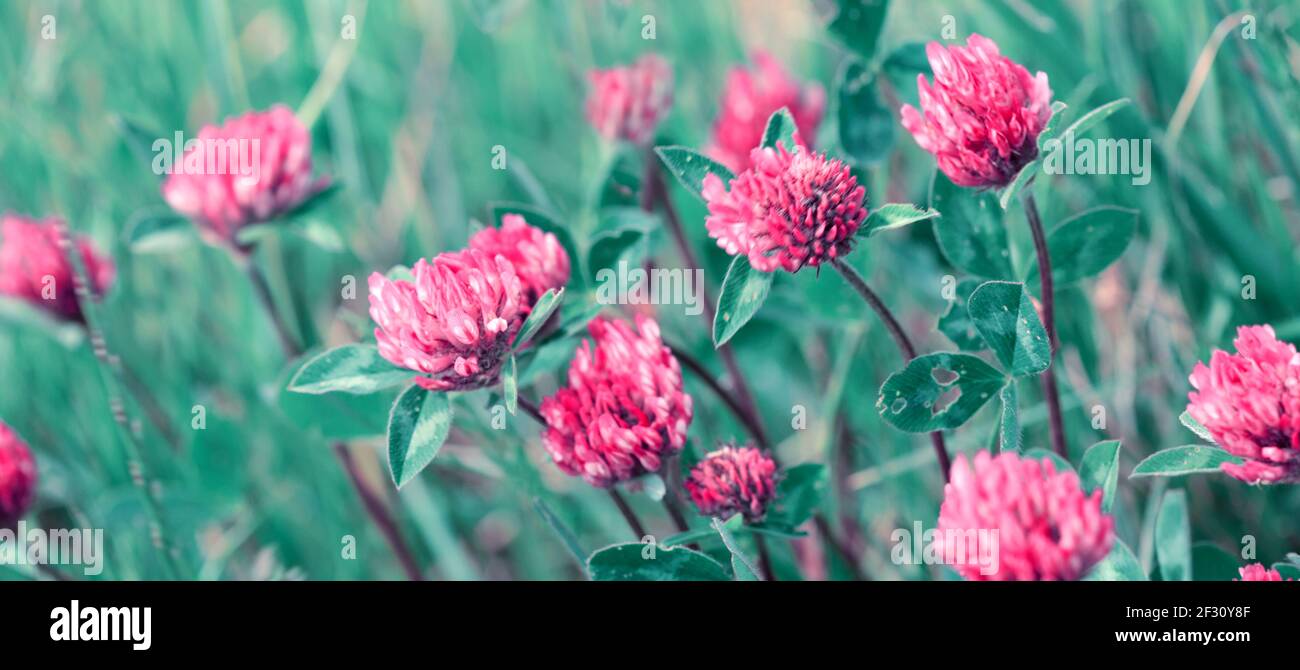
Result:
1047,527
34,268
1250,403
623,411
983,114
733,481
789,210
1258,572
17,477
750,96
538,257
627,103
453,323
252,168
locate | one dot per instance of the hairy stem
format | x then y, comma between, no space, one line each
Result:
1050,393
900,338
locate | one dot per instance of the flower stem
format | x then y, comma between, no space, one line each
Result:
372,501
846,553
375,506
900,338
531,410
654,190
887,317
672,501
628,514
743,405
675,513
671,474
110,372
760,440
263,290
764,560
1050,393
151,407
750,422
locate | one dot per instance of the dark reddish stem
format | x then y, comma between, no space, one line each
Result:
531,410
846,553
675,513
751,424
373,503
653,189
742,405
900,338
764,560
760,440
1046,290
672,475
379,512
628,515
263,290
626,510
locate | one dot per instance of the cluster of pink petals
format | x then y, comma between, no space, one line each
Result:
733,481
982,115
1048,528
453,323
750,96
34,268
17,477
1258,572
230,197
624,409
1250,403
627,103
538,258
788,210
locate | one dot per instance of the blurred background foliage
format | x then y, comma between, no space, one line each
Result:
427,91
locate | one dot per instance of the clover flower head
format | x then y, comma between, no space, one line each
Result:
623,410
453,323
250,169
1047,527
982,115
1249,401
789,210
35,269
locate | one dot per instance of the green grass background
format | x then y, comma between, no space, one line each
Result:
432,88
